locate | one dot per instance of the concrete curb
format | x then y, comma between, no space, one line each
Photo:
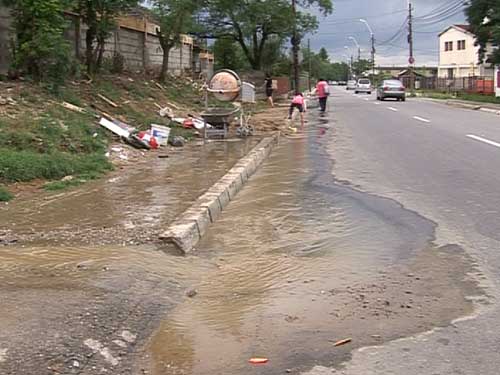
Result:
190,226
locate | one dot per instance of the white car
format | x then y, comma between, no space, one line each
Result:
351,85
363,85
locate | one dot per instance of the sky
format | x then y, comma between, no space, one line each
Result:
386,18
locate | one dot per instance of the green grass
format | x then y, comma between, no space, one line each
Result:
22,166
75,181
461,96
5,195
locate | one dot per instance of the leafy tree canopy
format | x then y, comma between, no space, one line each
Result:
252,23
484,18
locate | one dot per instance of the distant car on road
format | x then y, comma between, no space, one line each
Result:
342,83
351,85
363,85
333,83
391,89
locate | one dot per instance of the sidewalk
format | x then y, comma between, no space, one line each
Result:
130,206
467,104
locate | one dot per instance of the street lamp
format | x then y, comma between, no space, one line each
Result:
350,53
348,60
357,45
372,37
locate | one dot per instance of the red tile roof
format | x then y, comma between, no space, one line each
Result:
464,27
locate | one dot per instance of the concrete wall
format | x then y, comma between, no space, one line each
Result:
5,23
141,50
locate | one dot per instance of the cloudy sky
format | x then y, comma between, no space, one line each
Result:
386,18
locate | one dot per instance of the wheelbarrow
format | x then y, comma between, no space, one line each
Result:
219,119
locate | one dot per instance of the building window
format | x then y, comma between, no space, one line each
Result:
450,73
448,46
461,45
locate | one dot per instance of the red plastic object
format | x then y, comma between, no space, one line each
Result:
258,361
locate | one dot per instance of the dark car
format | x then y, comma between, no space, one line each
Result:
391,89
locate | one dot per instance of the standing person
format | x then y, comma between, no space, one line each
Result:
323,91
297,102
269,89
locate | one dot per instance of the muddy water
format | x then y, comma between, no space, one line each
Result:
302,261
130,206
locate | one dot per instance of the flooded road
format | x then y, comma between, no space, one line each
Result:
302,261
298,261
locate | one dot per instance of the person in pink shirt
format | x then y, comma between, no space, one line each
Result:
323,91
297,102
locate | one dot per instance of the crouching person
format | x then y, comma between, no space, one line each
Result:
299,103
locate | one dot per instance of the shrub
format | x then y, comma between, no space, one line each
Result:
5,196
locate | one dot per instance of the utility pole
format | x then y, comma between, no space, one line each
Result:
309,62
372,38
411,59
373,55
295,48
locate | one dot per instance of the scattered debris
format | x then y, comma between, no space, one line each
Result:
109,101
258,361
291,319
117,127
178,141
128,336
161,133
343,342
67,178
73,107
147,137
191,293
166,112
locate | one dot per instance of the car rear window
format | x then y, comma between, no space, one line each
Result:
364,81
393,83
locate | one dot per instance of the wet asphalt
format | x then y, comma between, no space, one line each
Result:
370,225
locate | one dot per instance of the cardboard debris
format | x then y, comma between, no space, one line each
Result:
119,128
110,102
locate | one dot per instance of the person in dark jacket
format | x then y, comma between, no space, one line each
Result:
269,89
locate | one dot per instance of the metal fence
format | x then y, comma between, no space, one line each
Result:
476,85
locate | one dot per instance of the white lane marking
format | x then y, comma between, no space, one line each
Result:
376,103
367,99
3,355
484,140
392,109
421,119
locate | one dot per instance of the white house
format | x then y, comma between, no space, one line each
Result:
458,56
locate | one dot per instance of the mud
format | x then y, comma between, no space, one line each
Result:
128,207
297,262
303,261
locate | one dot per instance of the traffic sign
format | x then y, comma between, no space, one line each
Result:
411,60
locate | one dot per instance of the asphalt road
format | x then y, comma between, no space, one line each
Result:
441,162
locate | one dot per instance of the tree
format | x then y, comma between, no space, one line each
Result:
229,55
253,23
100,18
484,18
323,54
175,18
361,66
40,49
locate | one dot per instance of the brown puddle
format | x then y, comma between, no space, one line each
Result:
128,207
303,262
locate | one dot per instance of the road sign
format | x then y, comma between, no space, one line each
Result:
411,60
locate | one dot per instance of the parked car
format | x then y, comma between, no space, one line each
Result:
351,85
342,83
333,83
391,89
363,85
